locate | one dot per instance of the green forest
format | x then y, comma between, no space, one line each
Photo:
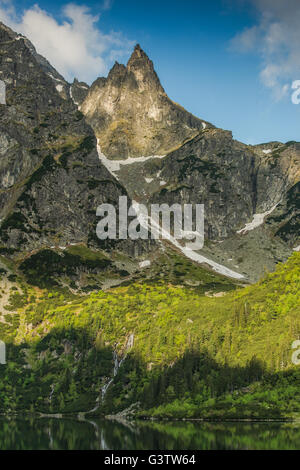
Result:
166,349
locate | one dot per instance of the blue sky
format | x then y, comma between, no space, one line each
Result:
230,62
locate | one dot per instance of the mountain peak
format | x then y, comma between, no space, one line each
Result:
132,115
139,59
138,52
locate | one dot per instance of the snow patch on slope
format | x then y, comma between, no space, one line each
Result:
55,79
145,264
150,224
114,166
258,219
72,98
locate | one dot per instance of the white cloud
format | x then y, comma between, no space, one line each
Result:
7,12
76,47
276,37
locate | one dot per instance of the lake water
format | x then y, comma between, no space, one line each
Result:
71,434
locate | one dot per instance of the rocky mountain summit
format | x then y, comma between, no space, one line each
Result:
131,114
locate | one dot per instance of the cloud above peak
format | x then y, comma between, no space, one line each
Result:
75,46
276,37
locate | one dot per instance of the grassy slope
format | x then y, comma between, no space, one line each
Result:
193,355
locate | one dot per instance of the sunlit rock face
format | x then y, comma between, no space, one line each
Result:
131,114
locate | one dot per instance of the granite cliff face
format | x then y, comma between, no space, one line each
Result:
131,114
243,187
51,179
251,198
233,180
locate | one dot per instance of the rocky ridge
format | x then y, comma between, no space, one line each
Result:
51,179
132,115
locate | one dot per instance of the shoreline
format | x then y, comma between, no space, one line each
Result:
82,417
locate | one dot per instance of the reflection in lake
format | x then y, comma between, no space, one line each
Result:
72,434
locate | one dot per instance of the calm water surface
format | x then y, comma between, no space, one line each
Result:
71,434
